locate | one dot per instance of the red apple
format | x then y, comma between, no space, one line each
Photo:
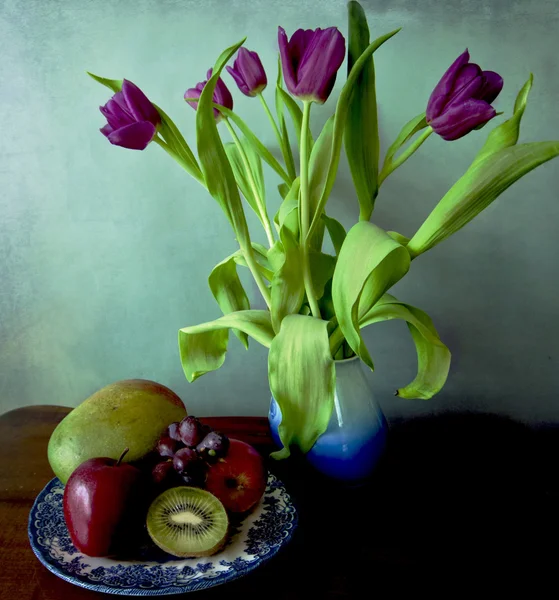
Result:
95,499
239,479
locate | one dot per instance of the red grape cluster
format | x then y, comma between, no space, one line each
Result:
187,448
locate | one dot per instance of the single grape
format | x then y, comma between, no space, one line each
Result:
161,471
173,431
167,447
184,459
191,431
214,445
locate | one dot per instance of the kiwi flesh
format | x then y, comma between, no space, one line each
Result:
188,522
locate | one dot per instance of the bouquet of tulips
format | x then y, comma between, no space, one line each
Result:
318,303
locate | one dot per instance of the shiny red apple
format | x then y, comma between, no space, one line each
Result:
95,499
239,479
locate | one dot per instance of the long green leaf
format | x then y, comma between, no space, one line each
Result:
288,289
284,134
506,134
213,158
477,189
258,146
322,270
288,213
228,291
319,162
433,357
370,262
361,131
241,176
261,257
412,127
203,347
296,116
339,124
302,380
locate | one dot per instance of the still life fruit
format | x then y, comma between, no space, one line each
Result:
181,489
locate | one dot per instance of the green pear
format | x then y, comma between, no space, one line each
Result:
127,414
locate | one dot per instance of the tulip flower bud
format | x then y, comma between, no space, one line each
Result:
462,99
248,73
221,95
310,61
132,120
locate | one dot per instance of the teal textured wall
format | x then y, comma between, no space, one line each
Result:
105,253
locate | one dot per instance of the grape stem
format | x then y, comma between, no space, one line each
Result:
124,453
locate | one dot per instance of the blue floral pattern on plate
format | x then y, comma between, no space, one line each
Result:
254,540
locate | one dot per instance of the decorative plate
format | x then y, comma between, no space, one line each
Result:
253,541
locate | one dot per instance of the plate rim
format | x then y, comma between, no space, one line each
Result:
135,591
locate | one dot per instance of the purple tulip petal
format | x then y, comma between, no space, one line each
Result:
115,114
286,63
140,107
239,80
222,95
106,130
134,137
465,76
469,90
439,96
493,84
459,120
193,93
248,72
319,65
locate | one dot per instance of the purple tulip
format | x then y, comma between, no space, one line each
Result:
462,99
248,73
132,120
310,61
221,95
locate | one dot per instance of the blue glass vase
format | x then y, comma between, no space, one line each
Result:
354,441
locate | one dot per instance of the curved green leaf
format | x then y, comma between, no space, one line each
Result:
288,213
370,262
258,146
336,232
203,347
261,257
302,380
296,116
284,134
322,270
477,189
228,291
339,124
241,176
361,131
288,289
319,162
506,134
412,127
433,357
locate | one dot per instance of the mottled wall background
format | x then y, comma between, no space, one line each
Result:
105,253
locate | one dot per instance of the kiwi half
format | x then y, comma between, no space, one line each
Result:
188,522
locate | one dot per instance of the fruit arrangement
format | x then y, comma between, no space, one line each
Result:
181,488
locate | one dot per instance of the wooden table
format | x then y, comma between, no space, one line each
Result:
458,500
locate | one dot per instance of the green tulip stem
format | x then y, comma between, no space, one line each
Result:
392,166
254,188
304,209
287,157
196,174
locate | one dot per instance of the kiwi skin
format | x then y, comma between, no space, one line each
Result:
209,552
